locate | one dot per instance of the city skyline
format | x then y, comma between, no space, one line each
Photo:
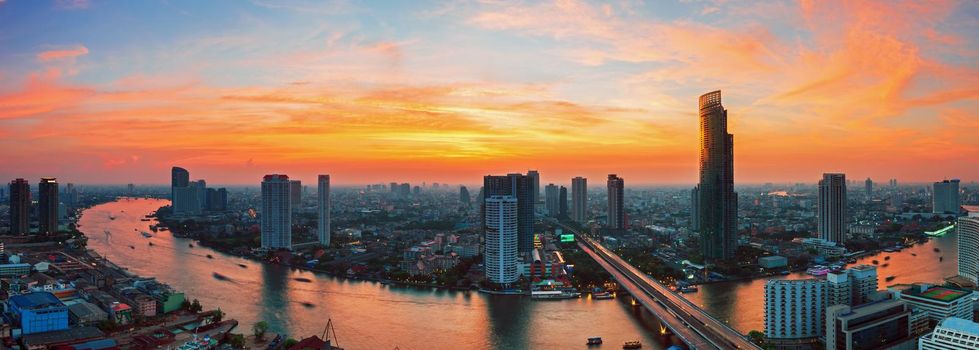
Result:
459,91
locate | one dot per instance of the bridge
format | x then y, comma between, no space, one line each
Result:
693,325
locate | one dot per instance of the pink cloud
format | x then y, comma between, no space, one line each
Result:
61,54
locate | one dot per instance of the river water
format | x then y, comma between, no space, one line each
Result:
367,315
741,303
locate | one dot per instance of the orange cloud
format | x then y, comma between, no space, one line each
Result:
70,53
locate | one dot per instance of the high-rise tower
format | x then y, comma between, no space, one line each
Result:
179,177
832,208
20,207
718,203
521,187
616,202
945,197
47,206
500,227
579,199
276,212
323,207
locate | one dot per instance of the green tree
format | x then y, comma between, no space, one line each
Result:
236,340
259,329
290,343
195,306
757,337
218,315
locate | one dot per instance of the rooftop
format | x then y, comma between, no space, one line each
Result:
961,325
36,300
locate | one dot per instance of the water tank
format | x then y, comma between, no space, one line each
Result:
14,259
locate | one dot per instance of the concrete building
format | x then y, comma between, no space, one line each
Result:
464,197
521,187
863,283
968,236
20,207
831,214
552,204
323,207
882,324
276,212
562,198
616,202
502,230
869,188
534,185
295,194
838,289
939,302
38,312
47,206
579,199
952,334
771,262
718,203
695,208
179,177
945,197
794,311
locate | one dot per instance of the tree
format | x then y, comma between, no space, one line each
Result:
195,306
290,343
236,340
259,329
218,315
757,337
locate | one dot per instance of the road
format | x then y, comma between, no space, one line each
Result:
692,324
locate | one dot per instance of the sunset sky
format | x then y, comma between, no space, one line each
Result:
119,91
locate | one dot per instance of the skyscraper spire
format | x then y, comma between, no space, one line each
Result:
717,202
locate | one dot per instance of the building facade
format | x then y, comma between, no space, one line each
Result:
579,199
551,200
276,212
945,197
521,187
952,334
831,213
323,207
295,194
616,202
501,227
20,207
794,310
718,203
47,205
968,236
878,325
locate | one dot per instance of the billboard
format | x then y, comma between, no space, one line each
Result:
567,238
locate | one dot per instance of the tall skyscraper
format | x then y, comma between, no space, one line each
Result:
832,208
201,194
794,310
521,187
551,198
276,212
968,235
179,177
869,188
464,196
563,199
323,206
695,208
616,202
863,283
501,216
47,205
945,197
295,194
217,199
535,185
579,199
20,207
718,203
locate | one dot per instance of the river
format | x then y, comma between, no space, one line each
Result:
367,315
741,303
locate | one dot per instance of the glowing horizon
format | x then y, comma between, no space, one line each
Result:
118,92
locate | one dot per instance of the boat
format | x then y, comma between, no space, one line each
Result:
303,279
209,256
635,344
885,265
937,250
132,247
600,294
112,217
594,341
817,270
144,219
243,266
875,262
890,278
890,250
145,234
941,258
151,244
190,245
308,305
887,257
219,276
913,254
554,294
688,289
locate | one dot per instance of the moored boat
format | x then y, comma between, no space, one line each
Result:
635,344
594,341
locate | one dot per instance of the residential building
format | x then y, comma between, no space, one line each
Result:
276,212
579,199
563,202
952,334
323,207
863,283
968,246
20,207
695,208
794,311
464,196
869,188
295,194
831,214
501,229
838,289
945,197
616,202
520,187
179,177
47,206
718,203
534,185
551,200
